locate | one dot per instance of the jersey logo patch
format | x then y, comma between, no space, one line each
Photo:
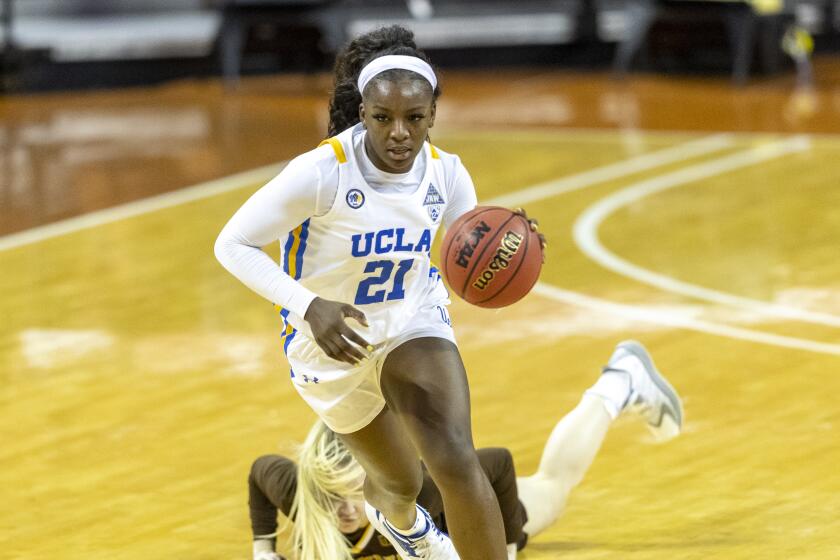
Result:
355,198
433,202
433,196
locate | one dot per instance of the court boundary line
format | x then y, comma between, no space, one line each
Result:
727,163
541,134
585,232
602,174
134,208
241,180
208,189
671,319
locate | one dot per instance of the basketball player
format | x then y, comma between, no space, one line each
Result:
323,492
356,218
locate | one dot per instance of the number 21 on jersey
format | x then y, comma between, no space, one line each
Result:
375,288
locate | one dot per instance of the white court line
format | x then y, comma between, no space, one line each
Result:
552,188
674,320
586,231
144,206
673,154
616,170
589,133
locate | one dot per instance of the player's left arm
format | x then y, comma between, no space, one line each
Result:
460,192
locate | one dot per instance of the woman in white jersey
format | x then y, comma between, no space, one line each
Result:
356,218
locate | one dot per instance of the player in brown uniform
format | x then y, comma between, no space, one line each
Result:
322,493
273,484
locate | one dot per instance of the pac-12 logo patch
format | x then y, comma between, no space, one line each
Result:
433,203
355,198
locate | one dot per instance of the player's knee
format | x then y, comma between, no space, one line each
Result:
403,489
454,466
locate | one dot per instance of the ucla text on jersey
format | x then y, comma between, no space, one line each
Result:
388,241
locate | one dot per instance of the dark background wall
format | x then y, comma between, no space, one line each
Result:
60,44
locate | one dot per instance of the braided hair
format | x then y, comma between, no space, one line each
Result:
346,97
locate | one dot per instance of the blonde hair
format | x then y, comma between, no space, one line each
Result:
327,473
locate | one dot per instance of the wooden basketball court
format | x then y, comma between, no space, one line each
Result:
139,379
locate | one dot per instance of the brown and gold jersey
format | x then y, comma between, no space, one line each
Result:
273,482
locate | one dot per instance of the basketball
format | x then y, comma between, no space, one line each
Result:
490,257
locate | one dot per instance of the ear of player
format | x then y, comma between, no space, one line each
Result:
492,256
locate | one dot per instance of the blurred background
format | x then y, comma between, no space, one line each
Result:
60,44
681,155
208,47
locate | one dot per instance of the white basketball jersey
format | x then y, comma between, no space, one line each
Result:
371,249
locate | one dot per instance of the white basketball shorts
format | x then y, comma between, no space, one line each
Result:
348,397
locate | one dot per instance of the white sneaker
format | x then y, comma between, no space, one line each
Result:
651,396
429,543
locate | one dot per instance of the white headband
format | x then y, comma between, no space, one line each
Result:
393,62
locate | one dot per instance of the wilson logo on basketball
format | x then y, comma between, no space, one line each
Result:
470,243
508,247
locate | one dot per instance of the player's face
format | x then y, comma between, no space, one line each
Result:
351,515
397,116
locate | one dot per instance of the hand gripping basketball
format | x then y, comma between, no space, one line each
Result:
492,256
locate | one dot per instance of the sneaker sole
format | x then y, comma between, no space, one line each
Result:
670,424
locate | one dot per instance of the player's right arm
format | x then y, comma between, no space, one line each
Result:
269,214
305,188
272,484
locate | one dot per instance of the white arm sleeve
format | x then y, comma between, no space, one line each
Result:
462,196
297,193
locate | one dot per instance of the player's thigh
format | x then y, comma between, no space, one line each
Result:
424,382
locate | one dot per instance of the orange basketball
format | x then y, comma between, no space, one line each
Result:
490,257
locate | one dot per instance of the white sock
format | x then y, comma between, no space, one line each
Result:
419,525
511,550
263,546
613,388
